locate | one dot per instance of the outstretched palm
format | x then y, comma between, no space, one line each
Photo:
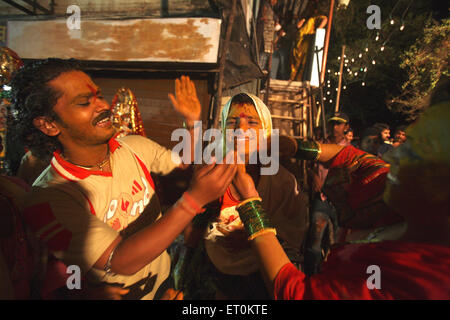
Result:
185,100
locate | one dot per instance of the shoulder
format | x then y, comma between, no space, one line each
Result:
283,179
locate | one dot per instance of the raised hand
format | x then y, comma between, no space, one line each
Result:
185,100
243,183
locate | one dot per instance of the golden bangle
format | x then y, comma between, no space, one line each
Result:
261,232
318,151
248,200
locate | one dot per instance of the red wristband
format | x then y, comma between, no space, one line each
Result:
193,203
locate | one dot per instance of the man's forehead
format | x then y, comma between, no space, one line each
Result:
73,83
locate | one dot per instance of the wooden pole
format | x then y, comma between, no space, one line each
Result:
336,109
218,102
327,41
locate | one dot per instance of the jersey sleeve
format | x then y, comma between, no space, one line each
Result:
157,158
67,227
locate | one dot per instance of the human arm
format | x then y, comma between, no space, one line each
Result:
308,150
266,246
187,104
323,22
141,248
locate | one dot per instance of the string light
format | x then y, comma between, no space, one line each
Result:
377,37
344,87
402,27
373,62
363,84
360,55
392,21
382,48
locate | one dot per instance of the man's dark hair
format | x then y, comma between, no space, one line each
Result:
32,97
380,127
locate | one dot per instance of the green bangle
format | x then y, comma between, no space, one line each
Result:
307,150
255,219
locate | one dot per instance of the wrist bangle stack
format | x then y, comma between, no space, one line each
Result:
307,150
190,204
254,218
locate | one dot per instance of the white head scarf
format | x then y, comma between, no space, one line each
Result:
261,109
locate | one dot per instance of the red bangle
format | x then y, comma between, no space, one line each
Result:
192,203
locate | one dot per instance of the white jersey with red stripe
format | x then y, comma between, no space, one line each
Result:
78,212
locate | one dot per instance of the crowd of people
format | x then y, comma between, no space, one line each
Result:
285,39
244,235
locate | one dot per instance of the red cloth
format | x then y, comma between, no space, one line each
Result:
355,185
228,200
407,271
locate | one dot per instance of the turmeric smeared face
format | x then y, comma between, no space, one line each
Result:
244,121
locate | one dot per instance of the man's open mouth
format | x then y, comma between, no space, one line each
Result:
103,119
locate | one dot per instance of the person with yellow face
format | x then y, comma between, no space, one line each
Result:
415,266
247,121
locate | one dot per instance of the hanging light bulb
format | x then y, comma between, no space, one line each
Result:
377,37
353,60
324,98
382,48
356,73
363,84
331,101
336,89
392,21
367,49
373,62
402,27
328,92
329,72
365,69
360,55
339,58
344,87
